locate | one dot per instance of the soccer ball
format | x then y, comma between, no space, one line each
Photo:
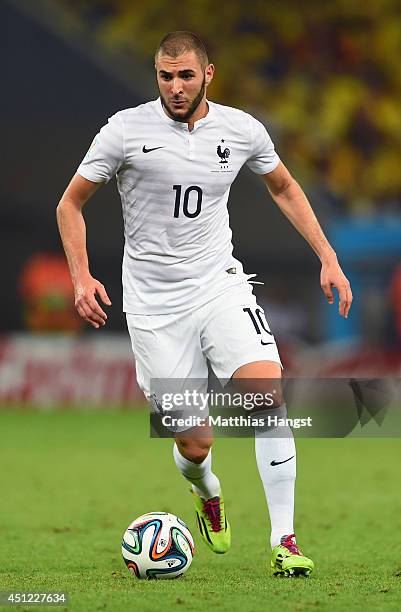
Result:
157,545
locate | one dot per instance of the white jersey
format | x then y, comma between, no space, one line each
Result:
174,186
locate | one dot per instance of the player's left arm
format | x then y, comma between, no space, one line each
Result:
292,201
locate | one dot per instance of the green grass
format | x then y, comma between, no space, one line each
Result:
71,483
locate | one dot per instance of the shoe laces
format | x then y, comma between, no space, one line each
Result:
288,541
211,508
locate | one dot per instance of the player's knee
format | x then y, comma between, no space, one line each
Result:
195,450
259,394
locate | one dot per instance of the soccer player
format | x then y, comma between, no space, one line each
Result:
186,298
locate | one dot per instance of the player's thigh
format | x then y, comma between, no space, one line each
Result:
170,366
237,339
165,347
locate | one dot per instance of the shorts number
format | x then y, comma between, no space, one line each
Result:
185,203
259,322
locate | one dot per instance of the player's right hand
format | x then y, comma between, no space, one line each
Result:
86,303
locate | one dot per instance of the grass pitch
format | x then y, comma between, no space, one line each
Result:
71,482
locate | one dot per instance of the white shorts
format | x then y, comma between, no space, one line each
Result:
229,331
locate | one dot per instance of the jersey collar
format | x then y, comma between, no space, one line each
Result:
184,126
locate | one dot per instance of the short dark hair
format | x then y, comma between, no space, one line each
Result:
181,41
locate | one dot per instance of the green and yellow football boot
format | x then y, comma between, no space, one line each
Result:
212,522
288,560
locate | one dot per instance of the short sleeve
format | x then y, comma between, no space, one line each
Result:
262,156
106,153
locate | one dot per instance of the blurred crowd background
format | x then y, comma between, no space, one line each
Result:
323,77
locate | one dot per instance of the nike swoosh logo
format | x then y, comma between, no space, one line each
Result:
145,150
279,462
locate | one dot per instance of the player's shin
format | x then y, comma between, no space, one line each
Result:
204,482
208,500
276,460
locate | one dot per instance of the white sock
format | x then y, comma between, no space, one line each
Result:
276,444
204,482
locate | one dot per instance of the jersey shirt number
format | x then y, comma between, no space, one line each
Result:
259,323
195,199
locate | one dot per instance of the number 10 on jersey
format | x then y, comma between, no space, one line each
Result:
191,202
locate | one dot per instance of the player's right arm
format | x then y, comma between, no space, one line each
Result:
72,228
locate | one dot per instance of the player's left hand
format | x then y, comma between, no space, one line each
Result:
332,276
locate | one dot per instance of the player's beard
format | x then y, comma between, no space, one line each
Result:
194,105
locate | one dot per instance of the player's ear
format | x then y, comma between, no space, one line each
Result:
209,72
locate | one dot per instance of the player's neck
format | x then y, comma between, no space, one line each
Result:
200,113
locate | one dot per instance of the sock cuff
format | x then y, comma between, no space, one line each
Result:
270,426
280,412
190,468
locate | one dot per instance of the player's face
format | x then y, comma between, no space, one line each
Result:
182,84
